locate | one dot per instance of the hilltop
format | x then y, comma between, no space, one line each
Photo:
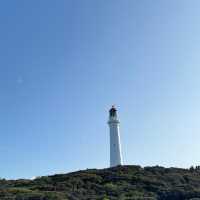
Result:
118,183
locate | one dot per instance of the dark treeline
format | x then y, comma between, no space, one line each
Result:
118,183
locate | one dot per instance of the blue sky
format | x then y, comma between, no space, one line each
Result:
64,63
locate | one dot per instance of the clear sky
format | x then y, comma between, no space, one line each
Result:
64,63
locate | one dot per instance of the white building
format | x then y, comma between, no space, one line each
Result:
115,144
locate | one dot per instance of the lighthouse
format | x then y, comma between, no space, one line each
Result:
115,143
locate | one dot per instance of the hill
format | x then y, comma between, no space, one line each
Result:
118,183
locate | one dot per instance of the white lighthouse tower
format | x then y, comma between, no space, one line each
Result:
115,144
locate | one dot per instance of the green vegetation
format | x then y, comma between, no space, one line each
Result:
118,183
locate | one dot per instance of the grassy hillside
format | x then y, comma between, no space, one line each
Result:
119,183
